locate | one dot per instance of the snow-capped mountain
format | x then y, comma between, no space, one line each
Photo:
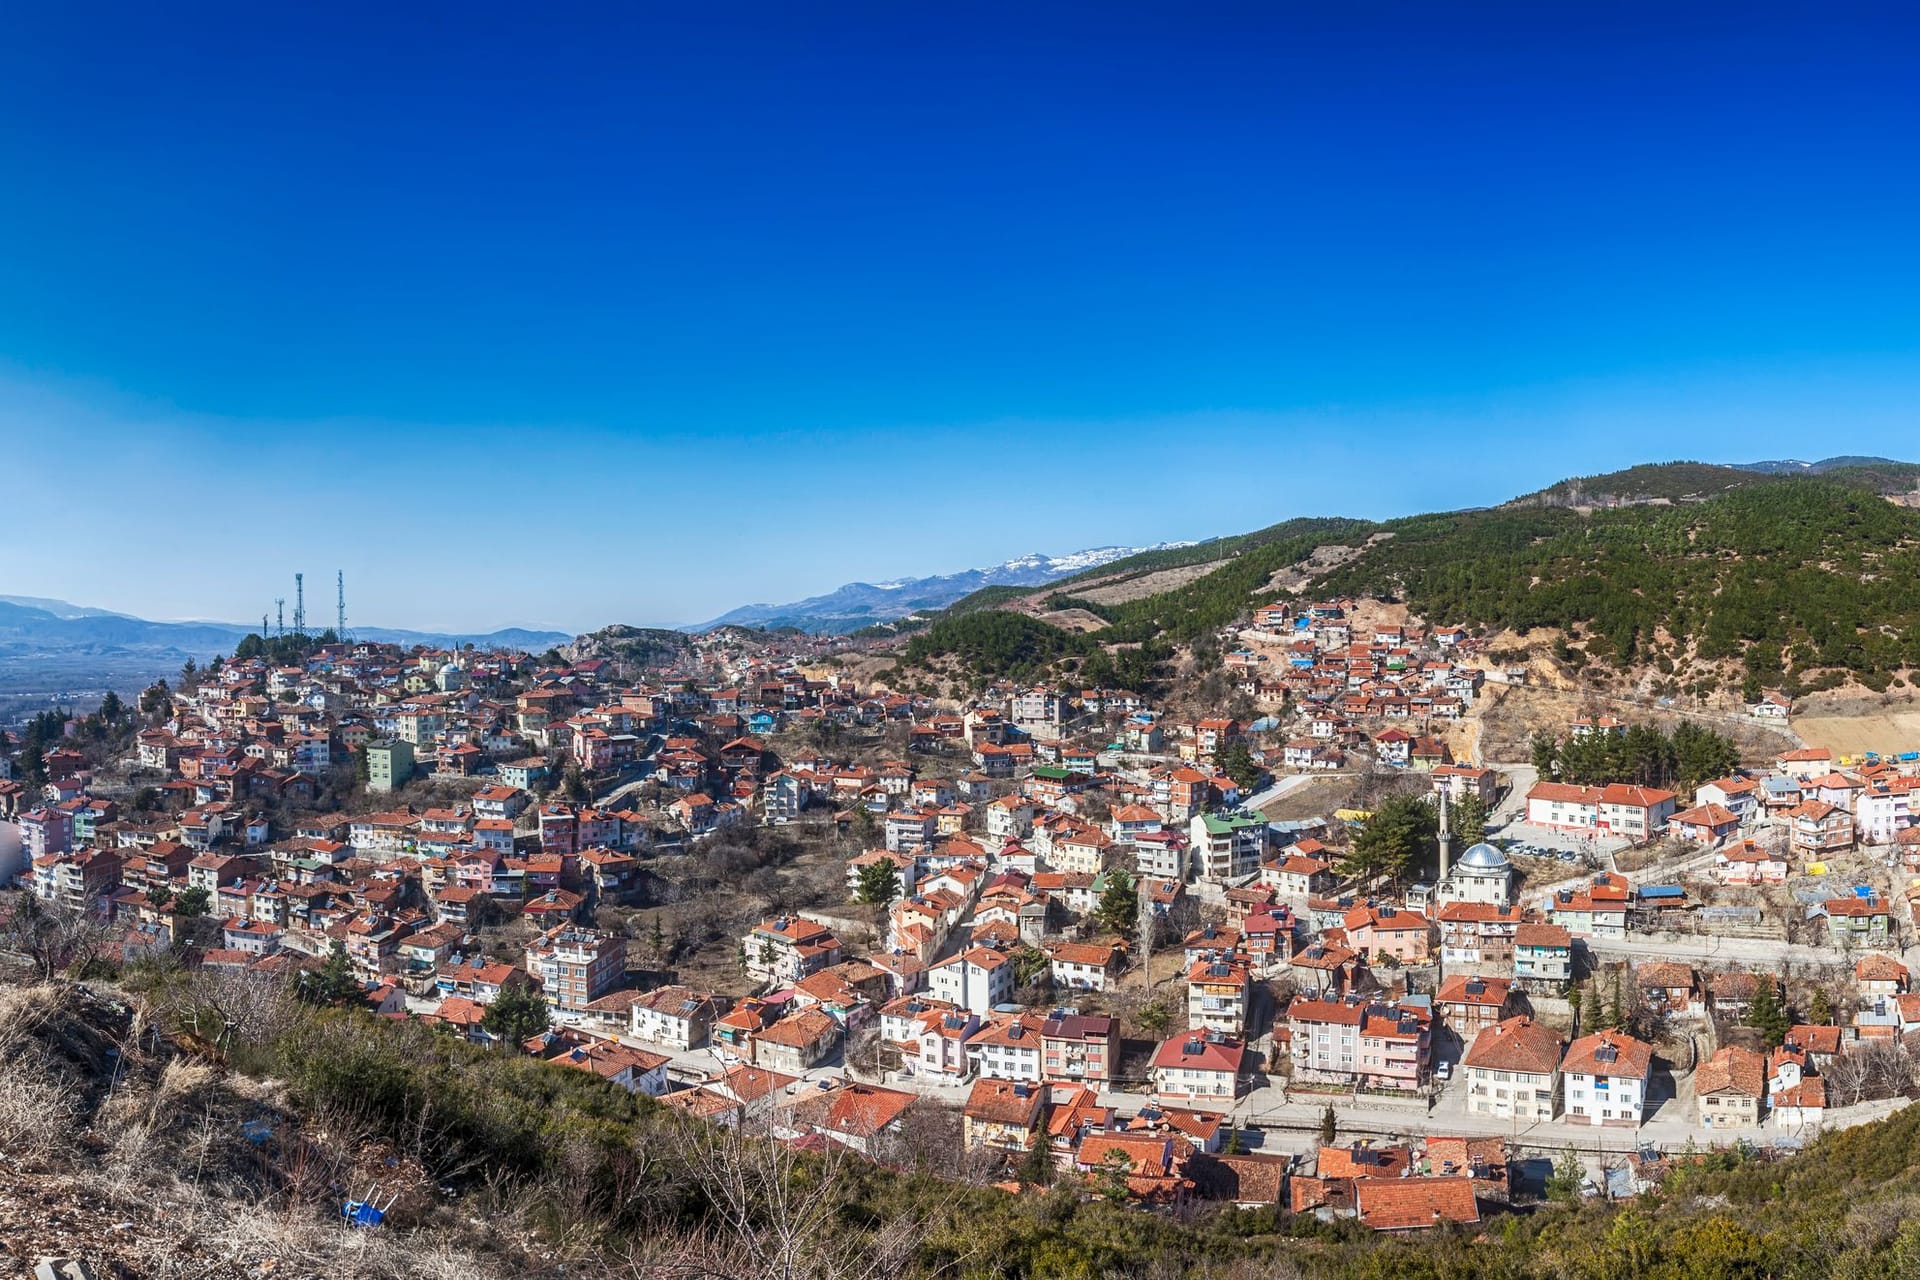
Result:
1793,466
861,604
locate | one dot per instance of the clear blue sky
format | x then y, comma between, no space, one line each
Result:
565,315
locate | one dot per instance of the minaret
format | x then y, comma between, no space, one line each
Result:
1446,840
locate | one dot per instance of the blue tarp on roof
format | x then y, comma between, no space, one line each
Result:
1662,891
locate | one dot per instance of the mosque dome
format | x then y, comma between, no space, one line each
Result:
1484,857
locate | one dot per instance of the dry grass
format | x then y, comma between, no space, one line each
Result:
1147,584
1076,620
1850,722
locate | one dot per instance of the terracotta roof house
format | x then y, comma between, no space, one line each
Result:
1606,1079
1006,1114
1730,1088
1413,1204
1198,1066
856,1115
1512,1071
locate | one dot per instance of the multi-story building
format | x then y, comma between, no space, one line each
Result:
1003,1114
1007,1049
1635,813
1196,1066
1082,966
1738,796
977,979
1078,1046
1355,1041
45,831
1512,1071
1606,1079
1468,1004
677,1017
389,764
1819,829
1730,1088
78,879
1542,953
1226,846
788,948
576,966
1218,990
1883,810
1861,920
1597,911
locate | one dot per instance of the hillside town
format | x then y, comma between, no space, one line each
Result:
1060,928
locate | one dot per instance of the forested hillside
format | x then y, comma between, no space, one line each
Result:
1788,576
1801,580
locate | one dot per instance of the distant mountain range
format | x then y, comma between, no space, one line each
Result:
1793,466
49,645
38,620
862,604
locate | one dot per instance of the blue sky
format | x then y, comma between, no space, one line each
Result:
566,315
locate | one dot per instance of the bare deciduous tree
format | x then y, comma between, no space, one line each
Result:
53,937
775,1215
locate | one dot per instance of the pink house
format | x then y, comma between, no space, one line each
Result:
1405,935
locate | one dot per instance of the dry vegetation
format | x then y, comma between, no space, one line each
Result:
1324,560
1122,590
117,1149
1847,722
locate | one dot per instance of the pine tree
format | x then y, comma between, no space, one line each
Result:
1615,1016
878,882
1467,819
1119,905
1237,763
517,1014
1036,1166
1153,1019
1329,1126
332,983
1765,1014
1820,1007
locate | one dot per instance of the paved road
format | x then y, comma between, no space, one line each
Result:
1670,1132
1766,951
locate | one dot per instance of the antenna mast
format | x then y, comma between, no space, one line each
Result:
299,604
280,617
340,605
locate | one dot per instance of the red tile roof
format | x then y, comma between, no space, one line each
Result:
1405,1204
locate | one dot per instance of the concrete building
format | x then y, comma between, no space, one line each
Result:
389,764
1512,1071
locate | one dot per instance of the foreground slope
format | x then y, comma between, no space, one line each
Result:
196,1126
